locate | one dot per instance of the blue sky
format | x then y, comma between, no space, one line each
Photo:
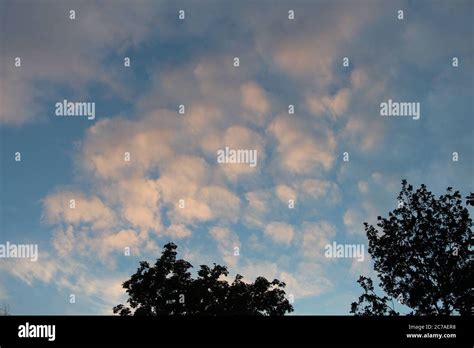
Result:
135,204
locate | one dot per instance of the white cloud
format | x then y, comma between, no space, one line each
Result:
319,189
335,105
309,280
138,199
251,270
116,242
57,208
226,242
44,269
280,232
315,235
237,137
71,275
354,220
178,231
64,240
285,193
257,207
254,100
362,132
300,151
224,204
194,211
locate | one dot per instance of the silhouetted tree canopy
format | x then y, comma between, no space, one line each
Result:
422,256
167,288
470,199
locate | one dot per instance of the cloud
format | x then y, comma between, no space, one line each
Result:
209,203
43,270
285,193
227,241
319,189
183,177
251,270
224,204
136,203
309,280
335,105
70,275
178,231
309,191
194,211
255,101
102,152
81,243
297,51
354,221
72,52
362,133
258,204
64,240
258,200
102,293
75,208
280,232
300,151
119,241
138,199
315,235
241,138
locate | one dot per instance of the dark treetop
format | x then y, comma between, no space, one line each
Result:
422,256
167,288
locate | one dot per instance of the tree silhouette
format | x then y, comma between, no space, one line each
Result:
470,199
167,288
421,255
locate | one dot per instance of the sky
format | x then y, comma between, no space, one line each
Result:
336,157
